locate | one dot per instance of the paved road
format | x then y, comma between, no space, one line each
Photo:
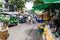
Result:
23,32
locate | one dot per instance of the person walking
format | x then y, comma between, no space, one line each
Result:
29,19
34,19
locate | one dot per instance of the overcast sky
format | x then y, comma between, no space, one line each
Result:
29,5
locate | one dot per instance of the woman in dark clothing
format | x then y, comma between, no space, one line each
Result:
57,22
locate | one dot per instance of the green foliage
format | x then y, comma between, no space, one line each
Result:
1,3
17,3
37,2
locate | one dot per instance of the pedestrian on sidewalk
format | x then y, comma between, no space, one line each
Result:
34,19
29,19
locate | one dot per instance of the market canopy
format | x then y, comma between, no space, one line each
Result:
41,7
51,1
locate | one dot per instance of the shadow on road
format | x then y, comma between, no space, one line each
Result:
32,34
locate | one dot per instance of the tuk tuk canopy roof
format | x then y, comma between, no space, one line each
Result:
41,7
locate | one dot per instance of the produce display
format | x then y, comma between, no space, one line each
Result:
44,30
47,28
46,16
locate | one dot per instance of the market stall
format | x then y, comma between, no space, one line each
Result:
47,30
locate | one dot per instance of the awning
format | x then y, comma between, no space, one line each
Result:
41,7
51,1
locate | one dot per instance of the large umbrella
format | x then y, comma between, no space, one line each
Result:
41,7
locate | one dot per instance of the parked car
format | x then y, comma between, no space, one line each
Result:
22,19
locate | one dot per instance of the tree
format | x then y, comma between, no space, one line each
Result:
18,3
37,2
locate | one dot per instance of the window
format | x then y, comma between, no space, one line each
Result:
6,5
6,0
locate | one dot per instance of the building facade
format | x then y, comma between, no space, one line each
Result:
6,6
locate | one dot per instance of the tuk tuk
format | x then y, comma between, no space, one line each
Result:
12,20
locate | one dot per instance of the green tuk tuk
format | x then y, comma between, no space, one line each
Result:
12,20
